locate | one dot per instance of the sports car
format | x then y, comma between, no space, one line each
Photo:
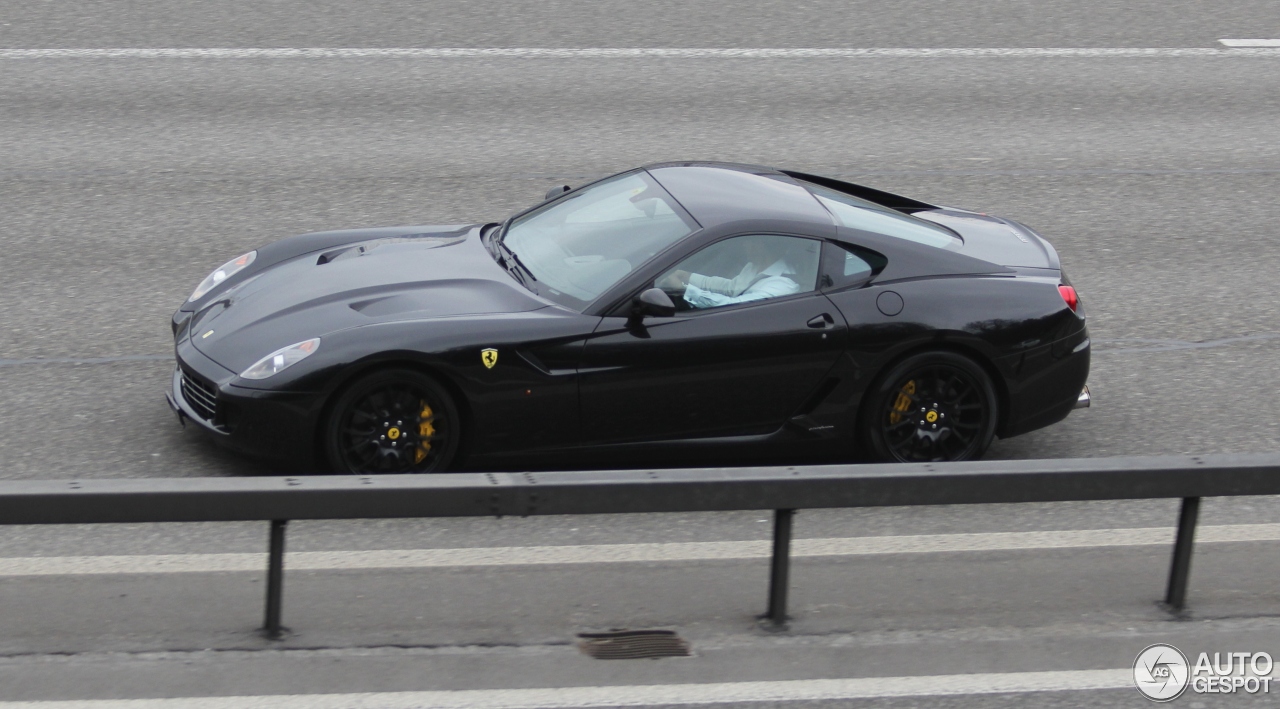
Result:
675,312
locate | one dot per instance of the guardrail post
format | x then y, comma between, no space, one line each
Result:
1176,597
780,568
275,580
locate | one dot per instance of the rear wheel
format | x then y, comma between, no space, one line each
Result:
393,421
933,406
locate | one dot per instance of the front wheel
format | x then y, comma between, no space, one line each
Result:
392,421
934,406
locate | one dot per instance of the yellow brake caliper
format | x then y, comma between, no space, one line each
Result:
903,402
425,431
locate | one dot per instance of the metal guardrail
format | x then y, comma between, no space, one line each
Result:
782,489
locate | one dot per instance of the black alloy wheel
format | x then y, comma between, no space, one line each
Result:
393,421
934,406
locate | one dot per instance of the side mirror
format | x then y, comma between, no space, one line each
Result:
652,303
556,192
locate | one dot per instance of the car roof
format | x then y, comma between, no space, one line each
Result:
717,193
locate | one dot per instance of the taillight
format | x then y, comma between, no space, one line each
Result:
1069,295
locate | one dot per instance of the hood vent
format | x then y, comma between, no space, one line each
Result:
428,241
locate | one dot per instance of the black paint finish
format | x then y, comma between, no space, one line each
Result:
782,377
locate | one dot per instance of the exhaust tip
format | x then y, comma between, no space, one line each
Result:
1082,402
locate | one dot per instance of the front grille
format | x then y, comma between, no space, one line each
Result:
201,395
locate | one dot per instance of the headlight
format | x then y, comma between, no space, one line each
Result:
223,272
281,359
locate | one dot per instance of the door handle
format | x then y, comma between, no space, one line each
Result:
821,322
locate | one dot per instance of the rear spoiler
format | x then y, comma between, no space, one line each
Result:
884,199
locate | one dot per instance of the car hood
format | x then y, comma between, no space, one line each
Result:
994,240
388,276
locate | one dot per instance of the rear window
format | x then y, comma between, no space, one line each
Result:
856,213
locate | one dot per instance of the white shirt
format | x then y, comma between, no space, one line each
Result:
748,285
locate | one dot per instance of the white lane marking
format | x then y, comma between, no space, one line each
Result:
622,52
624,553
1250,42
640,695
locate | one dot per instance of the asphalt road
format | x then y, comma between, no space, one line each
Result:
635,23
123,182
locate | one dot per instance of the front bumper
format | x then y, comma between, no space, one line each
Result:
262,424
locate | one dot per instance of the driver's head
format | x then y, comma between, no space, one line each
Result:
763,251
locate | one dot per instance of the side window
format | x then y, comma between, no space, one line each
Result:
846,265
743,269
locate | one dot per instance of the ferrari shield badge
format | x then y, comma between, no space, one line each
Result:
489,356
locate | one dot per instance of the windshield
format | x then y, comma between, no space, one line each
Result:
580,246
857,213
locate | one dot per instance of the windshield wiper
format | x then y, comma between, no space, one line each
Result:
520,265
514,265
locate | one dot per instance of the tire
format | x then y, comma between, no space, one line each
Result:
932,406
392,421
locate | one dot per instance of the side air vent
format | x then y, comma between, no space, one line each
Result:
823,391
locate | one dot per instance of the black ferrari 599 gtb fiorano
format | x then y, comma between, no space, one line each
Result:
676,312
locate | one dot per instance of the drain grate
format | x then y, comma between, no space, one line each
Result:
633,644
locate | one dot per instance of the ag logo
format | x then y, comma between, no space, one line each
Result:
1161,673
489,356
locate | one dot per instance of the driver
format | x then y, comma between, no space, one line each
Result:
768,273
